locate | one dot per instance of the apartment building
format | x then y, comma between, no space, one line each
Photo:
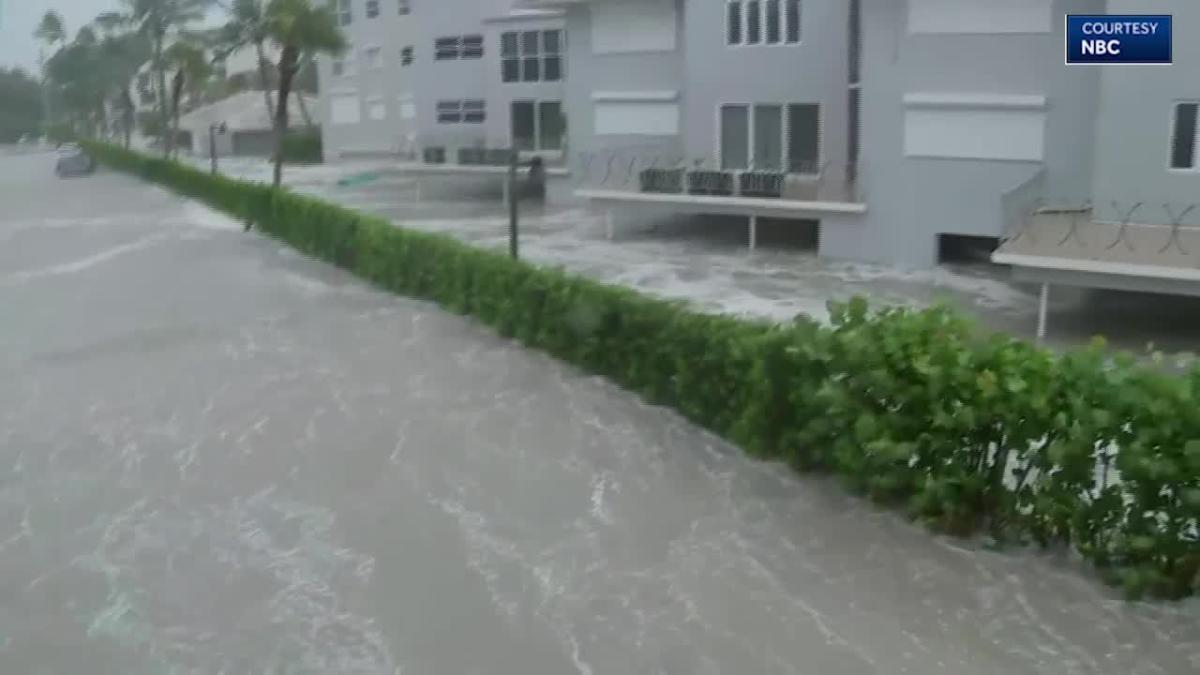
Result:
444,74
930,114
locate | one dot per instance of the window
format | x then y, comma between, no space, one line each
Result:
376,109
458,47
472,47
372,9
755,22
804,137
472,111
345,12
445,48
405,7
733,22
344,67
753,137
735,137
1184,136
374,57
406,56
772,21
531,56
537,125
969,126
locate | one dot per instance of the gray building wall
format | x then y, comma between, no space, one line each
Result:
587,72
1133,133
911,200
391,83
815,70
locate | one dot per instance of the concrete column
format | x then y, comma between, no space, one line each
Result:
753,232
1043,304
608,225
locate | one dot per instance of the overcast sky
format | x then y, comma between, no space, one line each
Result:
19,18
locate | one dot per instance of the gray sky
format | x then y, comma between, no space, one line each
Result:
18,19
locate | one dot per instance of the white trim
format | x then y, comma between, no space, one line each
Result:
713,204
957,100
1096,266
663,96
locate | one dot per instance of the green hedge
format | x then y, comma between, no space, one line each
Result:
914,409
303,147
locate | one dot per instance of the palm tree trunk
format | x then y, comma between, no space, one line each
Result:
263,82
287,71
160,71
176,100
127,118
308,122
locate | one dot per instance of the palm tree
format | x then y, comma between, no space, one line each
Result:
52,31
159,20
247,26
123,53
192,70
297,27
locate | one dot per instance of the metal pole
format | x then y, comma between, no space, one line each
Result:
511,194
753,232
212,147
1043,302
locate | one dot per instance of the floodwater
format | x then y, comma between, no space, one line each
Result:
219,457
705,261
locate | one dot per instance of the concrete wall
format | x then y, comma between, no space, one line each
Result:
1134,129
913,199
390,83
644,71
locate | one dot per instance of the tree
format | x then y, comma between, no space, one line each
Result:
20,105
158,21
122,53
297,27
192,71
51,29
247,27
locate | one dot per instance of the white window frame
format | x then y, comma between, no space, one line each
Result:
373,57
1195,167
537,104
785,136
408,55
345,12
787,8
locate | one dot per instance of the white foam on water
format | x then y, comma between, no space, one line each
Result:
83,264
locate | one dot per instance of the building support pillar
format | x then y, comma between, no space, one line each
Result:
608,225
1043,305
753,232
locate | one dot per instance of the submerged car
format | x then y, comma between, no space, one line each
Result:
73,161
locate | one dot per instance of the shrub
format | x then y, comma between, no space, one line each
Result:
912,408
303,147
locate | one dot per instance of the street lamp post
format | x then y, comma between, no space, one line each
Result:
213,130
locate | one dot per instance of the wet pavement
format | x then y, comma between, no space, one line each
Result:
219,457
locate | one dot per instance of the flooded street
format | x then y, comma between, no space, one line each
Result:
219,457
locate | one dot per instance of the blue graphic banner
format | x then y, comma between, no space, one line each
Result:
1119,38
